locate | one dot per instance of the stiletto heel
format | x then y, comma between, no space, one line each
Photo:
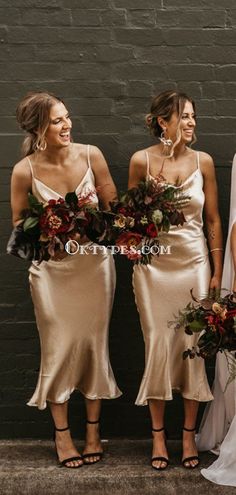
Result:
191,458
160,458
70,459
92,454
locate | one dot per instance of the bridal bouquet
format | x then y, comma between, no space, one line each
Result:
215,321
46,228
139,216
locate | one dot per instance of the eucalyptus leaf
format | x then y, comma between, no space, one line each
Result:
30,223
34,202
196,326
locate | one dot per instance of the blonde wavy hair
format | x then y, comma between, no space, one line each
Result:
33,116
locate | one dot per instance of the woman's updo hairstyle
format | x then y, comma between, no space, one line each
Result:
164,105
33,115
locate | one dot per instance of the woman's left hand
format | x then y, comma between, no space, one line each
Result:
215,285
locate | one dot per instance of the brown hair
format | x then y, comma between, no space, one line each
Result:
164,105
33,114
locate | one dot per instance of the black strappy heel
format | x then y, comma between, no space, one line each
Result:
191,458
160,458
70,459
92,454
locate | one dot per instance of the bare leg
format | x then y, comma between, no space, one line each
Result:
64,444
157,409
189,445
92,442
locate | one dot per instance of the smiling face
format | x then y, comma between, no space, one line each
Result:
182,127
59,130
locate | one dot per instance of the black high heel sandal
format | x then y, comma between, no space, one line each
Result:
70,459
92,454
160,458
191,458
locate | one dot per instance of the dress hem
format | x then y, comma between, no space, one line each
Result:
35,404
145,401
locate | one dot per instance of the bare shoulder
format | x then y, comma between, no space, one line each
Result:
206,165
137,168
95,151
21,170
139,158
97,159
206,160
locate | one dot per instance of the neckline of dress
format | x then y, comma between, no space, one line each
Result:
60,195
182,183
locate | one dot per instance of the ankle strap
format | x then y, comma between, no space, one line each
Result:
62,429
92,422
158,429
189,429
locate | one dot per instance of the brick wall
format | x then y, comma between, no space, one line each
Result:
106,59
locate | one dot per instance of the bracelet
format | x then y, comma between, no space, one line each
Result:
216,249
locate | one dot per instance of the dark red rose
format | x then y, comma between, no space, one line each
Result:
151,230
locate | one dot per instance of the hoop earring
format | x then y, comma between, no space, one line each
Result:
41,147
166,142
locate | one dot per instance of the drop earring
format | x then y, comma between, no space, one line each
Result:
166,142
41,147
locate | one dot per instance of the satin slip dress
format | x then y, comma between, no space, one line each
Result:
72,302
162,289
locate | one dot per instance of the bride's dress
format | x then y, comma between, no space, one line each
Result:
218,427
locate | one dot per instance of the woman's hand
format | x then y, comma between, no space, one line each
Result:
215,285
59,256
73,247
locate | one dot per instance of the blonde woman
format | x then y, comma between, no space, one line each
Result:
72,295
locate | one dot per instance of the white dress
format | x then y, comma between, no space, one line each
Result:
218,427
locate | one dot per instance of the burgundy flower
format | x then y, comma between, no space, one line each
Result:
151,230
129,239
56,219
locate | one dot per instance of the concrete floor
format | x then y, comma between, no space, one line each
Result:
29,467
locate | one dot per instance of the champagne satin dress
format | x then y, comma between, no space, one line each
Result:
162,289
73,301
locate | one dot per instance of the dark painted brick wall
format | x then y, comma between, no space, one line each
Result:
106,59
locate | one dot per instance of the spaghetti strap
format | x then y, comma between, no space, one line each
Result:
88,156
148,164
198,160
31,166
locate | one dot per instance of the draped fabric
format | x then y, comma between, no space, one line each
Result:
161,290
73,301
218,427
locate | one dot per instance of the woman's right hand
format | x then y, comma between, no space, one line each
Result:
73,248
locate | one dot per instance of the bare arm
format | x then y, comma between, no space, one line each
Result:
233,250
137,169
106,188
212,218
20,187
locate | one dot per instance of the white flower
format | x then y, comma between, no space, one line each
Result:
157,216
144,220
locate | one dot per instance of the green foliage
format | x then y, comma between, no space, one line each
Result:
34,204
30,223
